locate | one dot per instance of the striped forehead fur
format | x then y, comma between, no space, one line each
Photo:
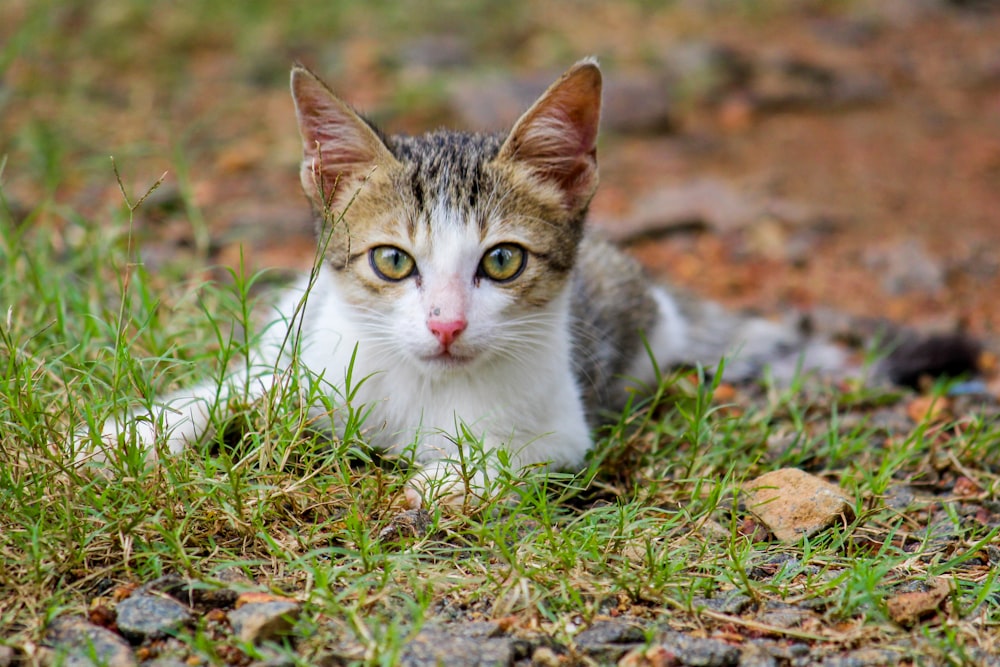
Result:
445,167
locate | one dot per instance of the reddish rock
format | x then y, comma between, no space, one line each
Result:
794,504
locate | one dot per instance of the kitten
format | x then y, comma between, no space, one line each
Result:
459,280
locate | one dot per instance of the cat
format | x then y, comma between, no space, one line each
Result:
460,281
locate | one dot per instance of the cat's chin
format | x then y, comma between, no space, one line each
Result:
448,360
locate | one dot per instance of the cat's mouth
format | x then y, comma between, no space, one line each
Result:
449,359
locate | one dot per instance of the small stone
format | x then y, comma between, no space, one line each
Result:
436,646
545,657
784,615
871,657
732,602
257,622
769,568
697,651
610,631
142,617
638,102
652,656
82,644
794,504
410,524
900,497
607,640
484,629
794,653
6,656
907,608
752,655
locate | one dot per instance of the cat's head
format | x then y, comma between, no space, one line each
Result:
452,248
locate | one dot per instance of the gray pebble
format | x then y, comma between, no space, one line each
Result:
700,652
257,622
83,644
752,655
610,631
142,617
784,615
608,640
782,651
435,646
866,657
728,603
410,524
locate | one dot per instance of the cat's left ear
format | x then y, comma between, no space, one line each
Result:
557,137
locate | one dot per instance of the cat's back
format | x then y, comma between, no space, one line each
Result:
611,304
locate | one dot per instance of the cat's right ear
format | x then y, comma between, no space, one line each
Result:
339,148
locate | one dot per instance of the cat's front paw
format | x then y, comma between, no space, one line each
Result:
445,485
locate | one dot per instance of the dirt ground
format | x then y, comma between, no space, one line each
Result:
917,168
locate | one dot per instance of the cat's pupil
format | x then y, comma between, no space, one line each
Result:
391,263
503,262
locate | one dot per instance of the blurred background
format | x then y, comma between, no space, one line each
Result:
835,156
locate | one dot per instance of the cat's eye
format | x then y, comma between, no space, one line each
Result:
391,263
503,262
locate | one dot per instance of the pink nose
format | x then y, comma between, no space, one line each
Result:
447,332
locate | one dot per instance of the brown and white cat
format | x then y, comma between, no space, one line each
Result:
459,280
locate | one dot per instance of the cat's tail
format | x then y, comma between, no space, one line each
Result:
696,332
913,357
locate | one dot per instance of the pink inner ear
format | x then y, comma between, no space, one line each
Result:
337,145
557,137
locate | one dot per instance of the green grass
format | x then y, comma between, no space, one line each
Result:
653,525
652,529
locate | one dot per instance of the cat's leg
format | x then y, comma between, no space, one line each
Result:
175,420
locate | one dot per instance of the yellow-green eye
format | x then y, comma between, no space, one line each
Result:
503,262
391,263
